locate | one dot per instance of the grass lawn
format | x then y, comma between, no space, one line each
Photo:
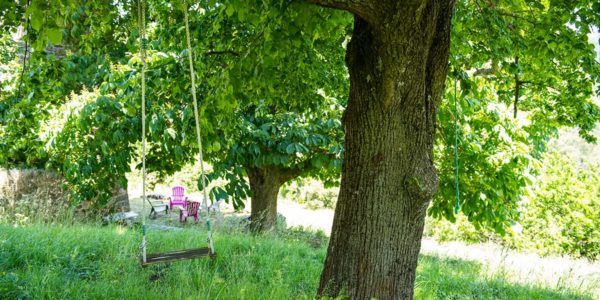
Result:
100,262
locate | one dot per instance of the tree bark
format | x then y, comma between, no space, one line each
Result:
397,69
264,185
120,199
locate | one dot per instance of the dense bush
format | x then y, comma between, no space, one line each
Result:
563,216
560,216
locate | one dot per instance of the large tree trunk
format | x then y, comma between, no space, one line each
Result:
397,62
264,185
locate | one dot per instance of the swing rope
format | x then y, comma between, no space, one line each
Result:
456,165
198,132
141,24
25,52
143,43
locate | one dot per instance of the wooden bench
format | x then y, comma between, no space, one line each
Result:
156,205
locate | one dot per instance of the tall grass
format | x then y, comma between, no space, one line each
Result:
95,262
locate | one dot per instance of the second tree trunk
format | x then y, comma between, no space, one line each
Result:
264,185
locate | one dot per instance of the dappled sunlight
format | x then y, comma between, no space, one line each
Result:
120,230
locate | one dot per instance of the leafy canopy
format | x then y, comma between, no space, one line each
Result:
529,54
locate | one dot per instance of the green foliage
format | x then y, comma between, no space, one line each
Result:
288,75
559,217
52,76
563,215
94,147
460,229
75,24
12,287
543,48
495,161
308,144
543,45
283,54
83,261
8,63
47,83
92,163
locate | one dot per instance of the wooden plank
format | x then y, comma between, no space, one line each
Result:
162,227
160,208
158,258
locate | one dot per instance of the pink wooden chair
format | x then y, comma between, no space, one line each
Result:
190,210
178,197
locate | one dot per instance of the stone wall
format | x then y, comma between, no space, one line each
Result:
30,193
41,194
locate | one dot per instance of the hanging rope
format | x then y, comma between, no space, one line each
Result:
141,23
25,52
198,132
457,188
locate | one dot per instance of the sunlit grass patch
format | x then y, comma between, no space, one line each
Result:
87,261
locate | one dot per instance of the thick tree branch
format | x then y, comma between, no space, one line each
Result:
361,8
288,174
484,72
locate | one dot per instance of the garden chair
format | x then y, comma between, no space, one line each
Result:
191,209
178,197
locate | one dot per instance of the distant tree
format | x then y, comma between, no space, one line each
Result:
271,148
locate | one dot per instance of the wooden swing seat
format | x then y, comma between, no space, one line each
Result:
159,258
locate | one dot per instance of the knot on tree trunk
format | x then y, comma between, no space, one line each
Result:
423,184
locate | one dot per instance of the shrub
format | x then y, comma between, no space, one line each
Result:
561,216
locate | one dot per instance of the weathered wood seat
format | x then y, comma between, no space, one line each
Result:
167,257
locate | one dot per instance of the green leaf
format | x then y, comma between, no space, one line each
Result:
54,35
171,132
229,10
216,146
290,149
36,19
